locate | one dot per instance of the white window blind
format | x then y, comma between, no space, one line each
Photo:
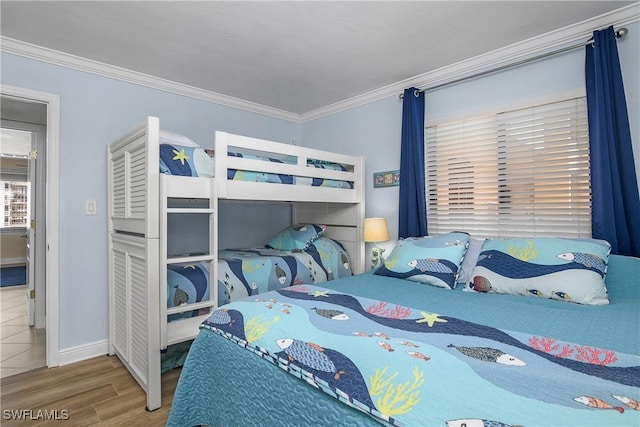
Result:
520,173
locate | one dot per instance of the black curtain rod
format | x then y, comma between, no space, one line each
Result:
619,34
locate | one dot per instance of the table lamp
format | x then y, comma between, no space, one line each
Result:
376,231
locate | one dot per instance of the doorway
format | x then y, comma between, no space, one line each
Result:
22,234
35,114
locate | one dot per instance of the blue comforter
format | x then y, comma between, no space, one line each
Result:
430,357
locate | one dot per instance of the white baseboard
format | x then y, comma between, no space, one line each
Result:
83,352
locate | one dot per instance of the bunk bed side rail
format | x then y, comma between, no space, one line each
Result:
134,169
241,190
272,192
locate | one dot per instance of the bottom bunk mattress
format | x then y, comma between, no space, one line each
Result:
369,349
245,272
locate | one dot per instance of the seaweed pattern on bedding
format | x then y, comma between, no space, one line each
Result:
404,369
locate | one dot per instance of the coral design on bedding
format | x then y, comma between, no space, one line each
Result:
407,366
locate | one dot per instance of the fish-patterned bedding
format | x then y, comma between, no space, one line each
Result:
432,357
195,161
243,272
187,283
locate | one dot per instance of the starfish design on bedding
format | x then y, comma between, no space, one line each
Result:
180,155
430,318
320,294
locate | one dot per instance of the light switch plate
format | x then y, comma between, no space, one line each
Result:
91,207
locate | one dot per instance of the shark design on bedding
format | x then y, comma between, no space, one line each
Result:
407,366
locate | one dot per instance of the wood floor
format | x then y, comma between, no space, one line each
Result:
94,392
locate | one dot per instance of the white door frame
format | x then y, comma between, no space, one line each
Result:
52,196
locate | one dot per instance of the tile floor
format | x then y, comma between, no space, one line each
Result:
22,348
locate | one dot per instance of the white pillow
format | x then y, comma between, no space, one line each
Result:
172,138
469,261
204,164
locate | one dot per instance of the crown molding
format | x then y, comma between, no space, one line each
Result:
511,54
55,57
491,60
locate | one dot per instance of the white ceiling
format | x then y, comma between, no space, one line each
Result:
293,56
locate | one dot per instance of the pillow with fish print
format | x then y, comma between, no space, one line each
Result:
296,238
434,260
545,267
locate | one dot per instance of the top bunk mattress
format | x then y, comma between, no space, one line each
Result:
181,157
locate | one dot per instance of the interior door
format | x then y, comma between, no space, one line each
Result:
21,142
31,235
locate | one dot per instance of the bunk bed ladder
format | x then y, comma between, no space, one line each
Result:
203,189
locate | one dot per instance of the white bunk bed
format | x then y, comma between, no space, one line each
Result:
139,202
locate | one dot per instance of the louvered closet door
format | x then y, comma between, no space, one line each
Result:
119,300
133,302
131,194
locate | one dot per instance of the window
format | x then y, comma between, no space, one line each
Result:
517,173
16,204
14,180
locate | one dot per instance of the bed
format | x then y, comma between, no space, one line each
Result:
478,359
158,298
251,271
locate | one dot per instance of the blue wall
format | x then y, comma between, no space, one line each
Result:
94,111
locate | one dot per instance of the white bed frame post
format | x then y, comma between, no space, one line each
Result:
359,217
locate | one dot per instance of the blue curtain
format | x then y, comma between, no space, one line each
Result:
614,187
413,208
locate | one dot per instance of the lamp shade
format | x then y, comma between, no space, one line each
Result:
375,230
